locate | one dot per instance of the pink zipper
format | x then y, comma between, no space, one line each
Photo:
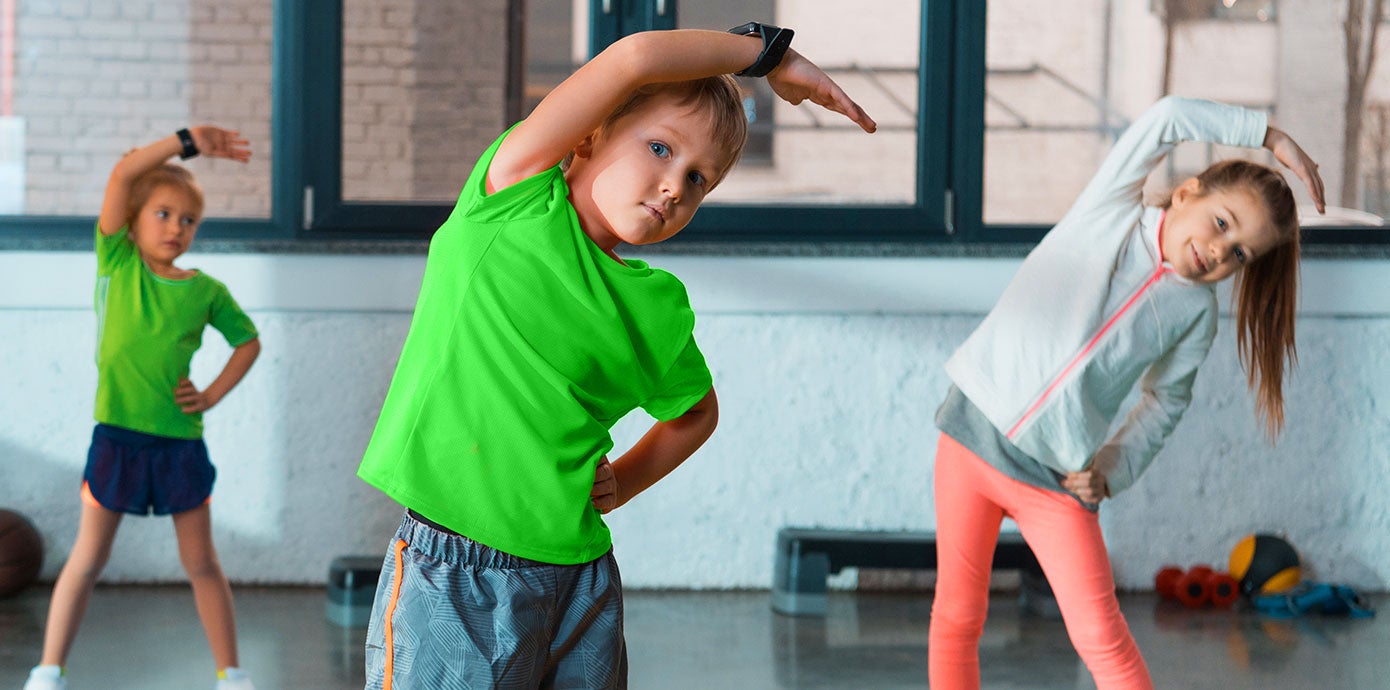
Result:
1153,278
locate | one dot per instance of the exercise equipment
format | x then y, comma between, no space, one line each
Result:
21,552
1265,564
1197,587
1314,597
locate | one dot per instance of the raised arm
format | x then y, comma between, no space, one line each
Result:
210,141
576,108
1163,126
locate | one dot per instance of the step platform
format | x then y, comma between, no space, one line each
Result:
805,557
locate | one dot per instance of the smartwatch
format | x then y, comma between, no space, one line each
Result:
190,149
776,40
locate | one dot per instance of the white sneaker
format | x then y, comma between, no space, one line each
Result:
235,679
46,678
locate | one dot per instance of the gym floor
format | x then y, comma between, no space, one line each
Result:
148,638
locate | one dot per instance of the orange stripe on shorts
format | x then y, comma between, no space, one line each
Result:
391,610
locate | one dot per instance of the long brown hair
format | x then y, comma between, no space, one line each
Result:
1266,290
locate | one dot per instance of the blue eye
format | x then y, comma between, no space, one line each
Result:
697,178
659,149
1240,255
1221,223
187,220
161,214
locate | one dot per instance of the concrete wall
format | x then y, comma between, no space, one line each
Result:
828,372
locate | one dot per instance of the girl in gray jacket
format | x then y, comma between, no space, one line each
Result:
1117,293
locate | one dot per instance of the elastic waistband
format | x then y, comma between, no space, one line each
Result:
131,437
437,541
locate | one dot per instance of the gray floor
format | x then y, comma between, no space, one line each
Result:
148,638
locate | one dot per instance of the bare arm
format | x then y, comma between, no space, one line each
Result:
191,400
662,449
575,108
211,141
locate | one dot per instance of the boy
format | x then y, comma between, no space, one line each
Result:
531,338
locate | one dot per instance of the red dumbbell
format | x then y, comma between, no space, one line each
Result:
1197,587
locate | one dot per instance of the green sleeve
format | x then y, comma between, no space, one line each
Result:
228,318
686,383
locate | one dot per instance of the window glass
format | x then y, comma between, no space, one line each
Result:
1063,79
805,154
84,82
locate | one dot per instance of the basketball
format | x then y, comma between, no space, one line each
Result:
1265,564
21,552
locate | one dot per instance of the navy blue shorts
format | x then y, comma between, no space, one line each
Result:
133,472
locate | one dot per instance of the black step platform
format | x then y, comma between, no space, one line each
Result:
806,556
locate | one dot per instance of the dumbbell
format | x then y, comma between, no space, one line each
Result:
1197,587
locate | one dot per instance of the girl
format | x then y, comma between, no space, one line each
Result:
1115,293
147,453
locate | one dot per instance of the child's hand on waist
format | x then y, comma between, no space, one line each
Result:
604,495
1088,485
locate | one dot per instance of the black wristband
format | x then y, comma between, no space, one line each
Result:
190,149
776,40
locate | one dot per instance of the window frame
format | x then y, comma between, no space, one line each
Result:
289,25
306,127
332,217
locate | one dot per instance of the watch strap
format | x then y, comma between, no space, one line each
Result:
190,149
776,40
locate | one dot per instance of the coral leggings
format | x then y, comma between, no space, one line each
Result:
972,498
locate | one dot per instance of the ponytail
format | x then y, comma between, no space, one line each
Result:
1266,291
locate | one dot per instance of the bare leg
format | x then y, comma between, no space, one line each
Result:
72,591
210,589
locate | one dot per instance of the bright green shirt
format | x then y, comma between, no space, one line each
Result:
148,328
528,343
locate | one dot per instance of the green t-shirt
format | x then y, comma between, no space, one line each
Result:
528,343
148,328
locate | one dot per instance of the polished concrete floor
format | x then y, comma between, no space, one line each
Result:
148,638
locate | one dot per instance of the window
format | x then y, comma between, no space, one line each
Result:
422,91
1062,80
85,81
366,116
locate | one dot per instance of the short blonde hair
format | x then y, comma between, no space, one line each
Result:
718,96
166,175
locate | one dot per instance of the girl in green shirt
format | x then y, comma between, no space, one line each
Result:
147,452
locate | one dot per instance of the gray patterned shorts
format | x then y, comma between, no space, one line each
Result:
451,613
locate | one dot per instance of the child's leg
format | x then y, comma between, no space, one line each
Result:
1067,540
210,589
588,650
967,529
73,589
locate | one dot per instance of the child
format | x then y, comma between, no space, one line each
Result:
531,338
147,451
1115,293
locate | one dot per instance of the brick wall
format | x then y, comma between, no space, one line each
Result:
423,94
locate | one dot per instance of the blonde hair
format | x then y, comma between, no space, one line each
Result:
166,175
718,96
1266,290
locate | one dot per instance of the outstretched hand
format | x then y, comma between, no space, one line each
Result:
1299,162
797,79
220,143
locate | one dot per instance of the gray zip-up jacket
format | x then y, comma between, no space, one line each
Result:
1095,309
